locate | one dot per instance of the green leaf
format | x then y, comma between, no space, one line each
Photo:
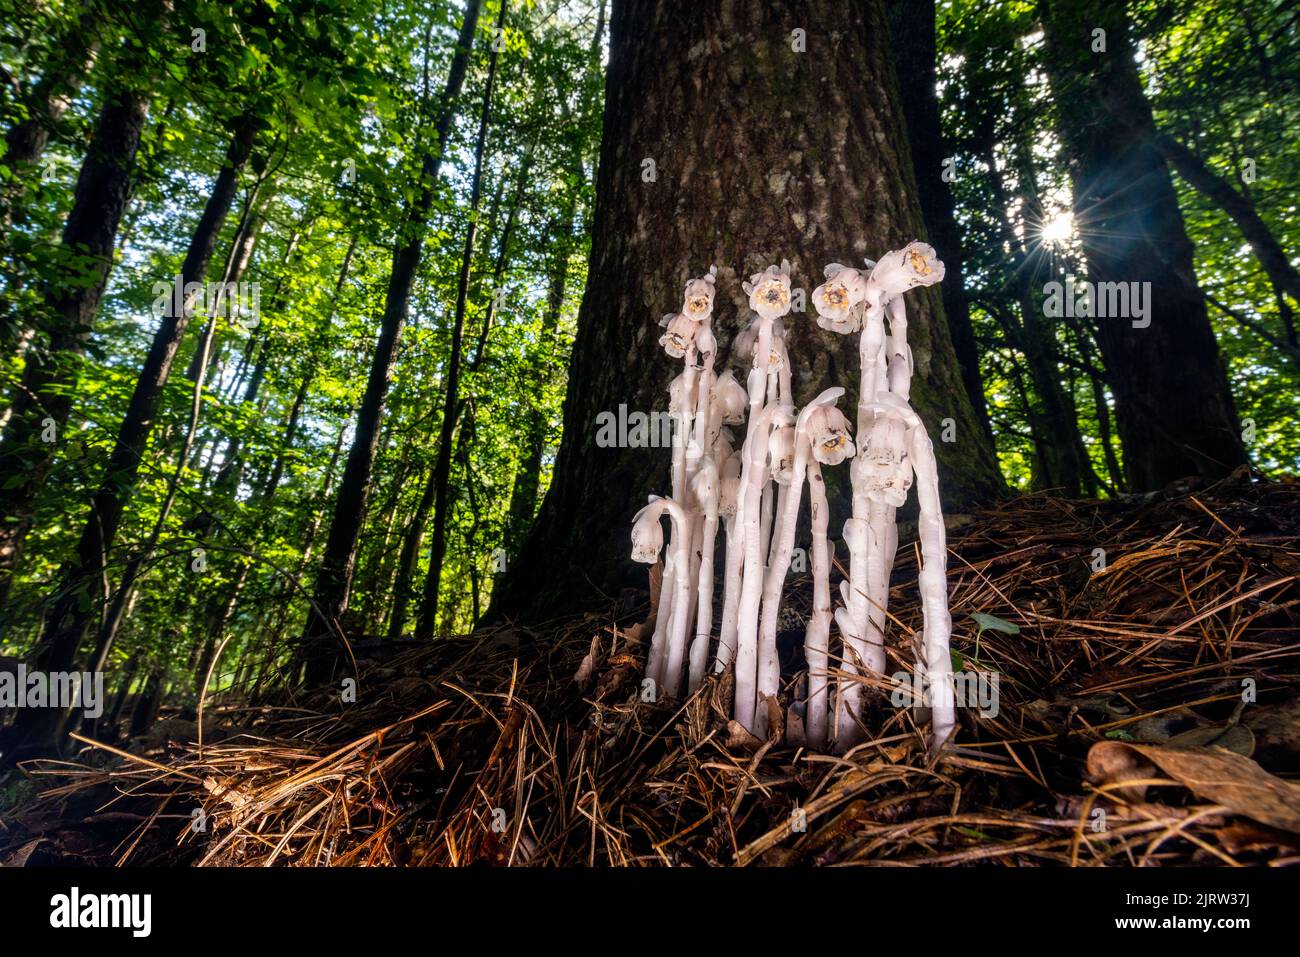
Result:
994,623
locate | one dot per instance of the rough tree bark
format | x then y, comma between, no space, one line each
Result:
1173,407
725,145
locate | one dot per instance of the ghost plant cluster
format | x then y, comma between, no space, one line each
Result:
756,491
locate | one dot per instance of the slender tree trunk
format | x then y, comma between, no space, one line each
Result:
911,26
146,705
1240,209
76,600
428,619
725,145
67,64
40,407
1173,405
334,578
1065,466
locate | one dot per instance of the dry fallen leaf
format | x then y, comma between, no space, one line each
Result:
19,857
588,666
1212,774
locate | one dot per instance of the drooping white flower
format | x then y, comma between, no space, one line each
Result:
682,394
916,264
882,465
648,533
680,334
780,454
731,398
769,291
729,486
698,302
828,434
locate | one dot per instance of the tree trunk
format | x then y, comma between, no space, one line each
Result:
428,620
1271,255
69,60
76,599
334,578
525,490
724,145
911,26
1173,407
1065,467
44,397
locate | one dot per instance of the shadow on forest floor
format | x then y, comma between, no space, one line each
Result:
1120,737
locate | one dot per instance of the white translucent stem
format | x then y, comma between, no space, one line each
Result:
782,493
767,510
704,600
701,441
783,393
816,643
881,520
676,653
882,516
856,536
933,581
731,592
748,500
682,430
663,616
769,668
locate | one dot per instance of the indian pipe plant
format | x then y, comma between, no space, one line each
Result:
756,491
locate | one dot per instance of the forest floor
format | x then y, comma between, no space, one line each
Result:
1126,730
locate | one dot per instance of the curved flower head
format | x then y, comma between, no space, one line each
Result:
724,449
883,464
916,264
780,454
679,336
769,291
729,487
828,433
698,302
731,399
681,399
648,533
837,298
704,486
